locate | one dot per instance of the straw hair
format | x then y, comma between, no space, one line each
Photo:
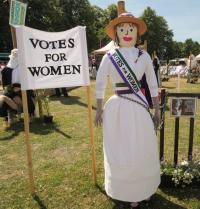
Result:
125,18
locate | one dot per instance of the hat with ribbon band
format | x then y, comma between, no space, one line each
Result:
125,18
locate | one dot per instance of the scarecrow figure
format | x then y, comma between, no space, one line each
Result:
131,162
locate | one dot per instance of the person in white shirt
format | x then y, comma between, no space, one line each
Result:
131,162
11,100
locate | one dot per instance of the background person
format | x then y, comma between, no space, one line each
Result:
11,100
93,69
156,67
60,91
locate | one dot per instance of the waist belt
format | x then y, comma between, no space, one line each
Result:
121,85
119,92
125,91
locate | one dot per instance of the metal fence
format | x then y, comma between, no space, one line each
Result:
164,96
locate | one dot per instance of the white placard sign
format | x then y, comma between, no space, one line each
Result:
52,60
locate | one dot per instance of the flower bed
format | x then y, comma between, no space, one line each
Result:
184,174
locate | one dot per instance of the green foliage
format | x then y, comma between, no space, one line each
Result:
159,36
183,174
191,46
178,49
60,15
44,15
5,34
44,98
108,14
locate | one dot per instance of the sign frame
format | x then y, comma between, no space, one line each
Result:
183,107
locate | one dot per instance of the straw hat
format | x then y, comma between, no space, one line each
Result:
125,18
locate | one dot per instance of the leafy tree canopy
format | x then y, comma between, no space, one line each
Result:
59,15
159,36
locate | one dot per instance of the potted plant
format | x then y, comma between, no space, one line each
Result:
44,99
184,174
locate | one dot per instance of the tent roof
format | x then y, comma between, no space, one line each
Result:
109,46
197,57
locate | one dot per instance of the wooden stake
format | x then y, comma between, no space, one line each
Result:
14,40
120,7
27,141
26,124
145,45
190,68
93,152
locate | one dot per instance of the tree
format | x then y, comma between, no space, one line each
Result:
80,12
44,15
191,47
109,14
159,36
178,49
5,37
102,18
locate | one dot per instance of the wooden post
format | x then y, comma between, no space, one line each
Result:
162,130
26,124
14,39
121,7
191,134
178,83
190,68
28,142
91,134
145,45
176,141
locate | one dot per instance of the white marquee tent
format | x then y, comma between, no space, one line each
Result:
197,57
109,46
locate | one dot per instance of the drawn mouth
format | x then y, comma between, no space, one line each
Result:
127,38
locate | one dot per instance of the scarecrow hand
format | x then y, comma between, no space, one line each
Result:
156,119
98,119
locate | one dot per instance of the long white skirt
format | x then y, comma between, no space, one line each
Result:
132,169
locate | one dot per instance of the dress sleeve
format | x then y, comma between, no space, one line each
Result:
151,77
102,76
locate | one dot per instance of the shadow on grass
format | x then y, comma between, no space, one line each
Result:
169,87
71,100
36,127
13,131
157,202
182,193
39,201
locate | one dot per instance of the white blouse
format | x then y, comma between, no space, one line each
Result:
143,65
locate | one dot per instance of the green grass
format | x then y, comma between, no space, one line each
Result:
62,160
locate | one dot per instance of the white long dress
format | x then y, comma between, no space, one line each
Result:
131,162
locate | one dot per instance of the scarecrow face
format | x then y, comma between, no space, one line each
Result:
127,34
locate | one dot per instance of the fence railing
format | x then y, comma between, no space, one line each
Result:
164,96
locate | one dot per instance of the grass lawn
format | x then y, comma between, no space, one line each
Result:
62,160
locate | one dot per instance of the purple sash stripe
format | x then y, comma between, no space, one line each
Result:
124,78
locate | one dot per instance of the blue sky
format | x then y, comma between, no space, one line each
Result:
182,16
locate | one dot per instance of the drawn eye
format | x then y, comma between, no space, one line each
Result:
121,29
131,29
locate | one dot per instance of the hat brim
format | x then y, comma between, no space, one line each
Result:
110,28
